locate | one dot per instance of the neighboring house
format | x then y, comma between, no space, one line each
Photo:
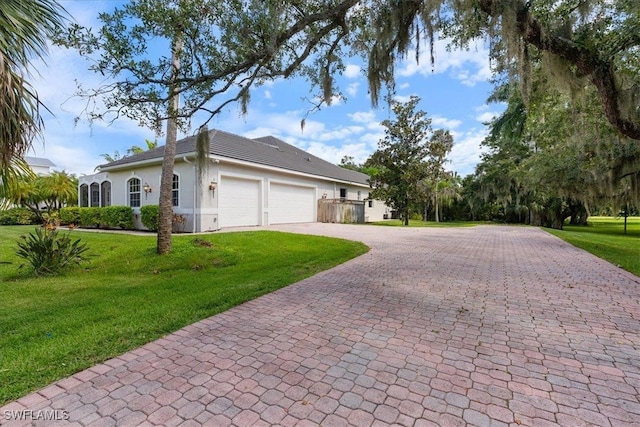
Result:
245,182
40,166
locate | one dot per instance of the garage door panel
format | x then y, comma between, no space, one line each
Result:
291,203
239,203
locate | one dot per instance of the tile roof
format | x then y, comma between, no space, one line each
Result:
267,151
39,161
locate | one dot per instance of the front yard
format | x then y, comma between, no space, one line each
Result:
126,295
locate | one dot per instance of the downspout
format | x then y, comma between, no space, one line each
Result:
217,217
195,191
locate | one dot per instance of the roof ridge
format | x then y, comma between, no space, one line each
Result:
258,151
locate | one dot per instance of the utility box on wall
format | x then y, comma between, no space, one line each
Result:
341,211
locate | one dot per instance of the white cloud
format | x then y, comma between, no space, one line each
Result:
352,89
442,122
335,101
362,116
402,98
340,133
352,71
487,116
71,159
371,139
469,66
267,94
333,154
466,151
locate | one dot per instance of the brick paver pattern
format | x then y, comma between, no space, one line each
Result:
486,326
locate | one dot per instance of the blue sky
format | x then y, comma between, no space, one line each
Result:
453,93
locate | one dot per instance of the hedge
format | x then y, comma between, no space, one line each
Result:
89,217
18,216
149,216
117,217
98,217
70,215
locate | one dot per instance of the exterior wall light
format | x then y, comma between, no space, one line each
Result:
147,189
212,186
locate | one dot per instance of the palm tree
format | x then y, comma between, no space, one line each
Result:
109,158
10,179
59,189
135,149
25,27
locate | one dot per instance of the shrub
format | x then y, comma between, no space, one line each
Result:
149,216
117,217
49,252
70,215
18,216
89,217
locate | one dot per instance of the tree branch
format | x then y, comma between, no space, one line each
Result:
588,63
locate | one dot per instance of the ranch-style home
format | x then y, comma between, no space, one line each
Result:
246,182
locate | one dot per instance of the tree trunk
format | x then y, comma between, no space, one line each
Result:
557,223
165,211
437,207
406,212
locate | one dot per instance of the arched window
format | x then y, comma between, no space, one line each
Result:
95,194
106,193
175,190
133,190
84,196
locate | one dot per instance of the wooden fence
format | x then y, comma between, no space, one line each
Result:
341,211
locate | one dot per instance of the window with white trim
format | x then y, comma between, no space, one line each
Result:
84,196
95,194
133,190
105,189
175,191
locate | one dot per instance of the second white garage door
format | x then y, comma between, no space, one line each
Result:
291,203
239,203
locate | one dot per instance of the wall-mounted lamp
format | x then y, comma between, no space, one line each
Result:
147,189
212,186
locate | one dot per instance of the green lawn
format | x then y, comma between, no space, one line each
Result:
605,238
126,295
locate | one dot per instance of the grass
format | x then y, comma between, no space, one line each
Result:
605,238
126,295
420,223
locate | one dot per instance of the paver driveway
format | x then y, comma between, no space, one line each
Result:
486,326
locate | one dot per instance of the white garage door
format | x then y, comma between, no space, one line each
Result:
239,203
290,203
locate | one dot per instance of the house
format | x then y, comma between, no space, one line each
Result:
39,165
245,182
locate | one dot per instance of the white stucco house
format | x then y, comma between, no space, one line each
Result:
40,166
246,182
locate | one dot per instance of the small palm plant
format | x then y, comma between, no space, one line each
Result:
49,252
